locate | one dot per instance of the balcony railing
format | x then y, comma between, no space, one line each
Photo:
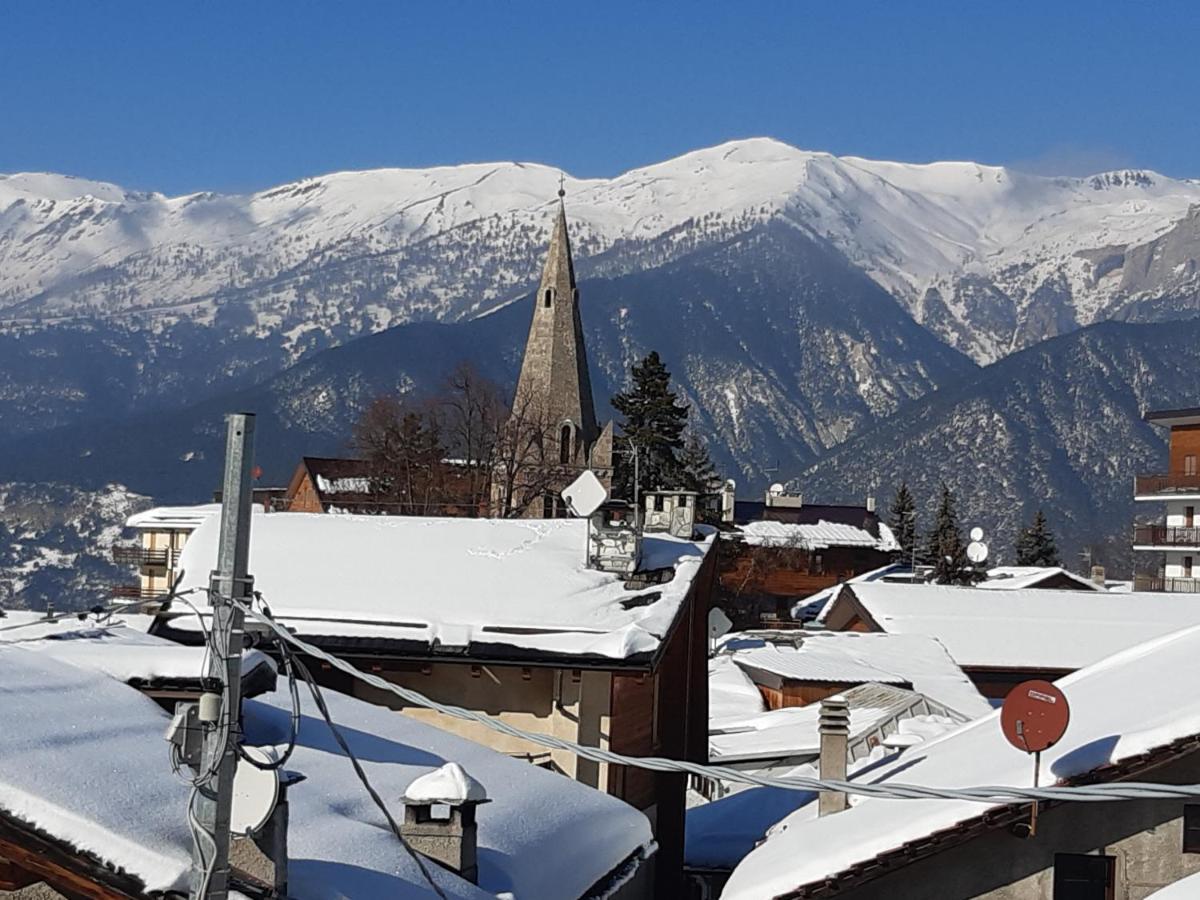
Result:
1164,536
141,556
1171,585
137,592
1167,483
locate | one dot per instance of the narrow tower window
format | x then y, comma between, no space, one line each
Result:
548,297
564,445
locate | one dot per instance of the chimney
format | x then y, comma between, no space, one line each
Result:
1098,575
870,503
439,818
835,733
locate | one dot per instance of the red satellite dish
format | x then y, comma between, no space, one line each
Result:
1034,716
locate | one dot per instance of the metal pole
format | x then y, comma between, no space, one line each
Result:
229,582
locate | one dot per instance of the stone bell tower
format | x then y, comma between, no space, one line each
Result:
555,387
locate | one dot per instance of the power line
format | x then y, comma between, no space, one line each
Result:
884,790
319,699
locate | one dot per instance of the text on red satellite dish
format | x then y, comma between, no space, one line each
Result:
1034,716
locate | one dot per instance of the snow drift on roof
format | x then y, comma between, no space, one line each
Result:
1030,628
1018,577
1112,719
174,517
82,758
820,536
847,656
453,582
115,649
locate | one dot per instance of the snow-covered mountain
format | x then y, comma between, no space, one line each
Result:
989,259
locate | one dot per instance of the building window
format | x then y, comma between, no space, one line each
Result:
547,506
1080,876
1191,828
683,502
564,444
1187,567
1189,464
658,502
548,297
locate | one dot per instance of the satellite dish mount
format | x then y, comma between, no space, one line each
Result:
1034,718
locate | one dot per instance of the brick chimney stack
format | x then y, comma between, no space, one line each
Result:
439,818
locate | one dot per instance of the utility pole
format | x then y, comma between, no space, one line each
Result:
228,583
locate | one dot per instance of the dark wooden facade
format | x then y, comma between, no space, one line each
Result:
758,582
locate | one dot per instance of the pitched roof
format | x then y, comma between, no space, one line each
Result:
121,652
1031,628
174,517
847,656
793,731
488,588
82,760
818,535
1018,577
1113,721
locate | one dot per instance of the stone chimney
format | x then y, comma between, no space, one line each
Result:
1098,575
835,733
439,818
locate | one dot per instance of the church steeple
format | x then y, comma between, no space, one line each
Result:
554,395
554,371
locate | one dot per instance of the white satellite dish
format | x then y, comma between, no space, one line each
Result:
718,623
977,534
255,791
730,484
585,494
776,489
977,551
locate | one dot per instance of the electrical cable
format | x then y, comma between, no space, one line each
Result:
888,790
319,700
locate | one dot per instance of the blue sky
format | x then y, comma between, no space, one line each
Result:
179,96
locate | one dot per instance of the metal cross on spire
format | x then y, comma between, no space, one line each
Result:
562,191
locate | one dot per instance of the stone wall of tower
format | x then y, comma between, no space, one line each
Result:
554,390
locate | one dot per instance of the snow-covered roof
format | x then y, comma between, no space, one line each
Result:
793,731
1184,889
816,605
820,536
1018,577
82,758
165,518
853,657
454,583
1112,719
815,663
1031,628
731,692
719,834
114,648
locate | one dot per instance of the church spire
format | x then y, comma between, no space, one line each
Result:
554,371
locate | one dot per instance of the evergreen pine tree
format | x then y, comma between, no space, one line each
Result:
699,473
654,422
902,519
1036,546
945,549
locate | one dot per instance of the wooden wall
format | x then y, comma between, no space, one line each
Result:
1185,440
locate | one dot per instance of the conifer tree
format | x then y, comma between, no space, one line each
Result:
1036,545
654,421
945,549
902,519
697,466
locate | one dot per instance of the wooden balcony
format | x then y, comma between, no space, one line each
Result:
1163,536
135,555
1167,483
1169,585
136,592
